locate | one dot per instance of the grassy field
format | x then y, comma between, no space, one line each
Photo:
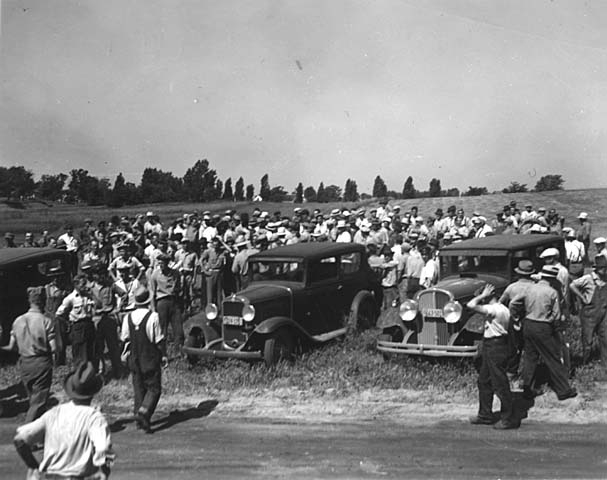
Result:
36,216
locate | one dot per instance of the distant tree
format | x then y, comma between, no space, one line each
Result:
157,186
50,187
379,187
452,192
199,182
515,187
549,182
435,188
264,191
365,196
88,189
277,194
408,188
218,189
133,196
332,193
239,190
228,194
320,193
475,192
299,192
118,196
310,194
250,193
351,191
16,182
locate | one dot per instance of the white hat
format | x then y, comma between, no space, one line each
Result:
600,240
341,224
419,218
476,220
583,215
149,214
335,211
550,252
264,214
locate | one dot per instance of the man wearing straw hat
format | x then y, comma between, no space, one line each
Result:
76,436
145,353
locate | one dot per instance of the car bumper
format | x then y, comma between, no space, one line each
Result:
426,350
220,352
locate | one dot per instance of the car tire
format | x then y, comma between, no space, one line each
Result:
363,313
195,339
280,345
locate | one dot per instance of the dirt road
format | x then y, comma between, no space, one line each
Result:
200,442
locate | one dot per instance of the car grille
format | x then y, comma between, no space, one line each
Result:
233,336
232,308
435,331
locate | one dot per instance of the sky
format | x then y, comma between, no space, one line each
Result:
472,92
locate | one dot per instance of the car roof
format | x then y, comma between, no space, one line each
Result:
502,243
310,251
16,256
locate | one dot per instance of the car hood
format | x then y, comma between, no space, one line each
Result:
263,291
465,286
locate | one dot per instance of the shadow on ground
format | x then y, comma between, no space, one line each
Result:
203,409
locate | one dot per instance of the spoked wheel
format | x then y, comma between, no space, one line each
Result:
194,340
363,314
279,346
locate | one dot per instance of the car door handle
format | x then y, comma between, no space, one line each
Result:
340,287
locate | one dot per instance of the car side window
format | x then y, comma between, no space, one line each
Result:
350,263
323,270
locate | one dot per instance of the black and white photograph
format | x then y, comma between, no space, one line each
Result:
303,239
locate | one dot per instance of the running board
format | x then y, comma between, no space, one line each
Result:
325,337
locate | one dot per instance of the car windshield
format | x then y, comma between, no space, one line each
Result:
462,264
290,271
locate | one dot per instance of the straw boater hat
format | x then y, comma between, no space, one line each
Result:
142,297
549,271
525,267
83,383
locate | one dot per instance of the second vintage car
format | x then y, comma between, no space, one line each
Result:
436,322
299,295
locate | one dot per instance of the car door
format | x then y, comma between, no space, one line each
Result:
321,296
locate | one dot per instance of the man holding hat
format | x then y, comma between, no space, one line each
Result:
33,335
591,291
540,306
146,354
76,436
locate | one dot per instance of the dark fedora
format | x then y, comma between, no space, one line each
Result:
142,297
83,383
525,267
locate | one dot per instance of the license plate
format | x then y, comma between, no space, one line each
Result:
232,320
432,312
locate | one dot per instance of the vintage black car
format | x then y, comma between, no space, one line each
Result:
299,295
26,267
436,322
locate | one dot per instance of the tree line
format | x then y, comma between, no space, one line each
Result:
201,184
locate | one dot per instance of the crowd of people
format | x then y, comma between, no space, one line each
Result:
136,277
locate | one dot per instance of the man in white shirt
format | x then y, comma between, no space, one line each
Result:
495,353
76,436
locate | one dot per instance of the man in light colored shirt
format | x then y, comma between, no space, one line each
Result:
144,342
33,335
78,308
76,436
575,252
166,298
495,353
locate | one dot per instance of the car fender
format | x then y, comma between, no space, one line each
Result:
272,324
390,318
476,323
200,321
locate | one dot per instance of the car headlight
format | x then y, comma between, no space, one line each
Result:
211,311
248,313
408,310
452,312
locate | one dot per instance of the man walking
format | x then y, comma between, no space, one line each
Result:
146,355
76,436
541,309
33,334
495,354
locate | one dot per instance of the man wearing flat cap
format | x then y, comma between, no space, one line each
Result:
599,244
76,437
591,291
33,335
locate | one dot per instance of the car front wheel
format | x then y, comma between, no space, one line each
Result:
363,313
279,346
